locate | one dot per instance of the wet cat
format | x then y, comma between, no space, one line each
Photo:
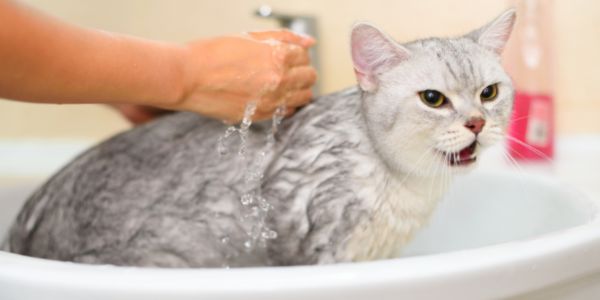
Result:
350,177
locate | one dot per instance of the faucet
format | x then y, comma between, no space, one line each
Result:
299,24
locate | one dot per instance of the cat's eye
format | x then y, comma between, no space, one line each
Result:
433,98
489,93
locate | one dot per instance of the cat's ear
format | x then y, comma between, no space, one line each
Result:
494,35
373,52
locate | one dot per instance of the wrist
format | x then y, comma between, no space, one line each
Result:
191,78
177,77
153,73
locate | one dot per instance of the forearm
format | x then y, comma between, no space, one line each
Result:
45,60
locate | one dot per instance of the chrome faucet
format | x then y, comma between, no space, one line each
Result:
300,24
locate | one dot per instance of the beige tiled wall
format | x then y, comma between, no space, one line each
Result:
577,44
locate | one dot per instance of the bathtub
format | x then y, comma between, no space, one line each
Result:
528,233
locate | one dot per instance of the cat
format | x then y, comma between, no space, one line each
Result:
350,177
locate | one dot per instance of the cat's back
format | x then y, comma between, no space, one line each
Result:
120,193
161,194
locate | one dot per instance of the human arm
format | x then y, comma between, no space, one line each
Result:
46,60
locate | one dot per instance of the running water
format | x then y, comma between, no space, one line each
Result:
223,146
256,207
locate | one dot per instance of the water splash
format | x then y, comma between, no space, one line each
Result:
224,143
222,148
255,206
245,127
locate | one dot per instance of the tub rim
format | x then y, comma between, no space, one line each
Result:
500,270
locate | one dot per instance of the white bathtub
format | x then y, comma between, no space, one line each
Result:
500,233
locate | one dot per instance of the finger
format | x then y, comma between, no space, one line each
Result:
156,111
267,104
139,114
296,56
294,88
284,36
298,98
289,111
266,115
261,116
299,78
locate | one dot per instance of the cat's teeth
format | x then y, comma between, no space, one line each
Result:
465,156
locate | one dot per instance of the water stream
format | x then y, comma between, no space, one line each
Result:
255,207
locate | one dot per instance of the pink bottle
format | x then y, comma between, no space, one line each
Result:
529,63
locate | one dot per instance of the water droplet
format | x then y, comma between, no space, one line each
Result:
255,211
248,244
255,231
247,199
222,147
263,204
225,240
269,234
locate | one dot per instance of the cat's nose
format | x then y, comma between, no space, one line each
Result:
475,125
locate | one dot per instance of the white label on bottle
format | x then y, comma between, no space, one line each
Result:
538,127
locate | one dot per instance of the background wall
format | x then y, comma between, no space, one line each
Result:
576,43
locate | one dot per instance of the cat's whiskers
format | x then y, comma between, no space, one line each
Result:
446,177
432,165
434,179
447,174
451,139
392,206
514,163
520,118
379,214
442,178
531,148
499,136
433,171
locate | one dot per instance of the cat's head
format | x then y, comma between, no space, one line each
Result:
434,103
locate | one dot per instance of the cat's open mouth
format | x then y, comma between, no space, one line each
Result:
465,156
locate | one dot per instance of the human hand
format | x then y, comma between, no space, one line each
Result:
223,74
139,114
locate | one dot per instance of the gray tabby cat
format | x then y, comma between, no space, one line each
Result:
351,177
